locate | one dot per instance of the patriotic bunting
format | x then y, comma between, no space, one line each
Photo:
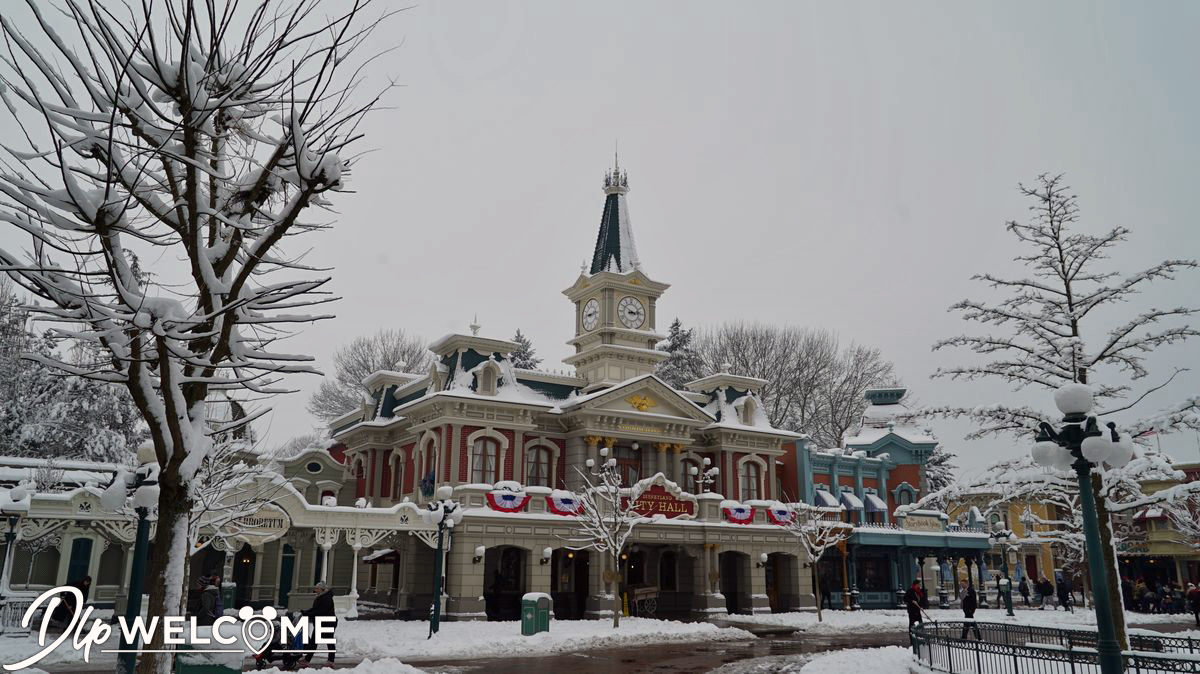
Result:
506,501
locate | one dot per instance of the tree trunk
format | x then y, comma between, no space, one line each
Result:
1115,598
817,588
167,564
616,592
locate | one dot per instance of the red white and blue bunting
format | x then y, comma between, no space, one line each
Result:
739,514
507,501
564,503
780,514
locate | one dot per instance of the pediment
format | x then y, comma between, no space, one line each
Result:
644,395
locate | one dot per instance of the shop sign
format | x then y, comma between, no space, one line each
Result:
656,500
263,526
923,523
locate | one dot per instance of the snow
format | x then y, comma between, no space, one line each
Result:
381,666
844,622
456,640
886,660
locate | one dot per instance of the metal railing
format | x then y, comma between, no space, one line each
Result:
12,609
1019,649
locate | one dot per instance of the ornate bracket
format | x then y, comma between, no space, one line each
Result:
33,529
326,537
365,538
429,537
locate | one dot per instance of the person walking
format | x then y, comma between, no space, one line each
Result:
912,601
210,598
1193,598
322,607
1023,588
969,603
65,612
1044,590
1064,594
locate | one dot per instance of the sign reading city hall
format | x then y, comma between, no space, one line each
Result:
656,500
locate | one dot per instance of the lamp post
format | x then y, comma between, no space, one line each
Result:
143,487
1077,445
1004,538
705,478
445,514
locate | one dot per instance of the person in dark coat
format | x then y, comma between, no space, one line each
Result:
322,607
1045,590
1023,588
65,612
1064,594
210,598
1193,598
969,603
912,601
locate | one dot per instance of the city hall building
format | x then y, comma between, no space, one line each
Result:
511,443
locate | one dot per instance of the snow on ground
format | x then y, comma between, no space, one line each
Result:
384,666
841,622
461,640
886,660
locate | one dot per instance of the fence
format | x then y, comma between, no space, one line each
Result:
12,610
1024,649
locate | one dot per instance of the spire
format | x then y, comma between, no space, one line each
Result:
615,250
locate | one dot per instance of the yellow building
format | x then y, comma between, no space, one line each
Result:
1153,548
1029,558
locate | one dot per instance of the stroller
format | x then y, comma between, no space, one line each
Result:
271,653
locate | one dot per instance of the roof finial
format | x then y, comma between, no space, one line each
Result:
616,181
475,325
616,156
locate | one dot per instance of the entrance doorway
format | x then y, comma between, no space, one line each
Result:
243,575
735,581
570,573
80,560
783,591
287,569
505,582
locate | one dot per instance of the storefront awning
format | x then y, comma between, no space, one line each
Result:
824,499
385,556
851,501
874,504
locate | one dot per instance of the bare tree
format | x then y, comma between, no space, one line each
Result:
819,529
47,476
193,131
813,385
1049,316
387,349
606,520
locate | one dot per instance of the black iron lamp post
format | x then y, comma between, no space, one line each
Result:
1004,538
143,487
1077,445
445,513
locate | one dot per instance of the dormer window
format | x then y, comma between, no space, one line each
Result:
749,410
486,379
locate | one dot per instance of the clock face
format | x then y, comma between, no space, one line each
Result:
591,314
632,313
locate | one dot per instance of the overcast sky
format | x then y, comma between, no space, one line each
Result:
843,165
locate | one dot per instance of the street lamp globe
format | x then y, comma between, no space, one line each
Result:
1044,453
1096,449
1073,399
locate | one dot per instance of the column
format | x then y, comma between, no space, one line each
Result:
660,461
518,457
452,452
677,475
259,563
355,552
759,602
980,571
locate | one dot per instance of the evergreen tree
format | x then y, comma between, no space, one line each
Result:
683,363
524,356
940,468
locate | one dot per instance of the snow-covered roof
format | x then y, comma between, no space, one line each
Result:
824,498
615,249
874,504
851,501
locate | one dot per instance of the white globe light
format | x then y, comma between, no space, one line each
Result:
444,492
1096,448
146,496
1122,453
113,498
693,470
589,463
1073,398
1043,452
1063,459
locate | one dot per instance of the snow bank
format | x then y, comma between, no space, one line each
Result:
384,666
460,640
842,622
886,660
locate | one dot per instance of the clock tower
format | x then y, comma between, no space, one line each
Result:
614,301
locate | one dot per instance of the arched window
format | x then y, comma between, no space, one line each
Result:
749,411
485,464
751,481
537,467
486,380
691,482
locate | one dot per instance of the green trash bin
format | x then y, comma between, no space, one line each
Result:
535,613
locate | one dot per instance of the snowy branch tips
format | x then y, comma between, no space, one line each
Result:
188,131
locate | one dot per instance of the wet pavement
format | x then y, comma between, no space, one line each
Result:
665,658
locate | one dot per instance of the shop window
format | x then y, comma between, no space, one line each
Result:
691,482
537,467
750,481
485,461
